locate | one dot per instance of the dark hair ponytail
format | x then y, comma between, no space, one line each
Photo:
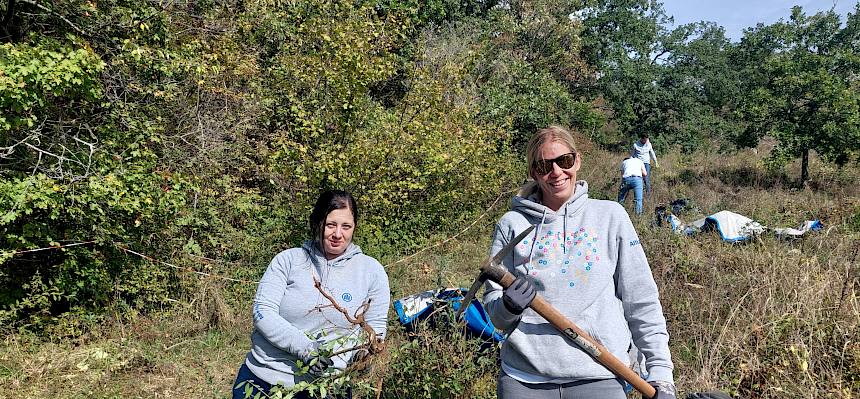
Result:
328,201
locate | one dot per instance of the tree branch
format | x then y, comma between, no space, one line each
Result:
656,57
64,19
6,152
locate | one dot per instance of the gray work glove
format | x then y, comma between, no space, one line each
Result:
358,355
519,295
317,362
665,389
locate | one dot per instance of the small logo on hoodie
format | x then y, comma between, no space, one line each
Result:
634,243
347,297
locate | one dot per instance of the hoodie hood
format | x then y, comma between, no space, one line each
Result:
539,214
316,256
531,205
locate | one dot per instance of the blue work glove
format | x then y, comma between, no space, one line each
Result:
519,295
317,362
665,390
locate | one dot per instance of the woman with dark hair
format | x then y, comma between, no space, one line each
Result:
294,321
585,259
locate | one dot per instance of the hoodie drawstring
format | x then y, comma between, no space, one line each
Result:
534,239
564,233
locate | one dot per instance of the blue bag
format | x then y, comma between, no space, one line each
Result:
414,308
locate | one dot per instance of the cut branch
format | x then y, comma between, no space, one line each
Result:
373,344
6,152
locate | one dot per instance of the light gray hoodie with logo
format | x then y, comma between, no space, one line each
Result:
585,260
290,314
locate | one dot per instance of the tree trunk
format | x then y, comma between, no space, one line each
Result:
804,166
7,20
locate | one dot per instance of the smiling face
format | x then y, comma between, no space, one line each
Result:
337,232
558,185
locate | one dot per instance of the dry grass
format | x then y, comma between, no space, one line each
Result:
767,319
188,353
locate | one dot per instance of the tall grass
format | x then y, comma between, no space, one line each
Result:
769,318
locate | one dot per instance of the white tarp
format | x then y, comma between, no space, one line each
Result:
809,225
732,226
735,227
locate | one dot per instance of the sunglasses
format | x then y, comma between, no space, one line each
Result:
544,166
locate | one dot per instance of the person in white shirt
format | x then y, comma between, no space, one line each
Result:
643,150
633,171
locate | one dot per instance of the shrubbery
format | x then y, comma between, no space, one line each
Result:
439,361
208,130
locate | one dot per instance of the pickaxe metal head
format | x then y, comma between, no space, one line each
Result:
487,268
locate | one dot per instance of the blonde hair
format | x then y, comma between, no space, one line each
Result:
543,136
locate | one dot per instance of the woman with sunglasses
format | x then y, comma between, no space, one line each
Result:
585,259
294,322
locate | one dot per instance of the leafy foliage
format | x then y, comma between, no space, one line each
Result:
699,86
803,87
619,37
208,129
438,361
528,59
36,76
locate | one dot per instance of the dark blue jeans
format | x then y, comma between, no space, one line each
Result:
259,386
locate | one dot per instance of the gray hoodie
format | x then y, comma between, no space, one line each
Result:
586,260
290,313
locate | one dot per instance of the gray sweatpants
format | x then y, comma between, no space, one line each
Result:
509,388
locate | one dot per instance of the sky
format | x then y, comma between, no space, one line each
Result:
735,15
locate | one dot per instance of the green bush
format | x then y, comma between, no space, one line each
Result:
439,361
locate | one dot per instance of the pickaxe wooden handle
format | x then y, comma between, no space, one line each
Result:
498,273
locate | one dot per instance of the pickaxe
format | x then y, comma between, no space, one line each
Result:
493,270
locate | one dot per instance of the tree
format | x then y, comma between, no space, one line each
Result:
697,85
675,84
620,38
802,87
528,59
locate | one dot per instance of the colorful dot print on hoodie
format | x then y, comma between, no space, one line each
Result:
586,260
566,260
